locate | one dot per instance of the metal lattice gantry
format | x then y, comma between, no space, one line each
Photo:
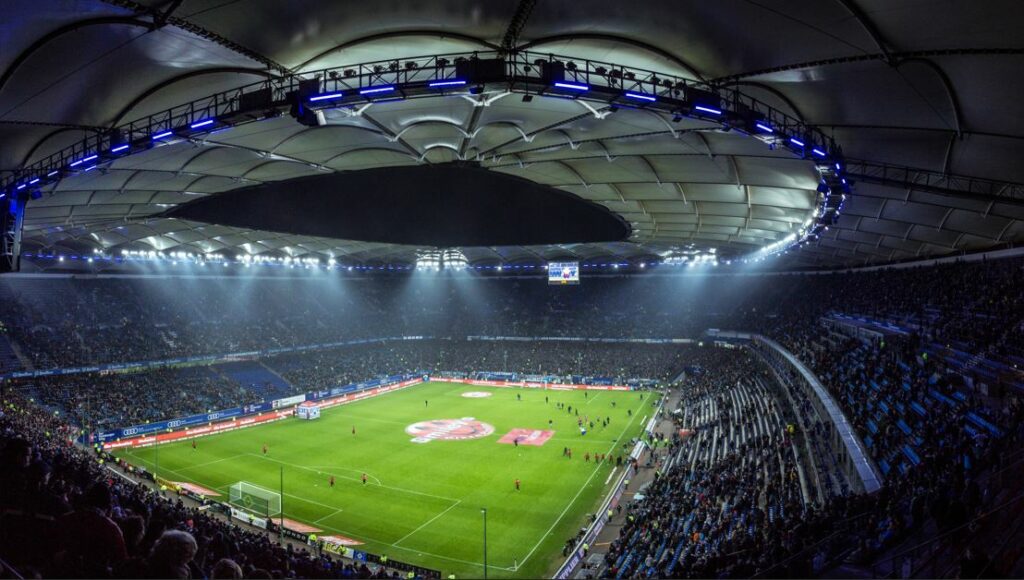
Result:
663,131
923,103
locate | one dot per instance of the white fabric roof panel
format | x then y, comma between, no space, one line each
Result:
932,85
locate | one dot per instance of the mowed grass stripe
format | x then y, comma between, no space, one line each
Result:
436,533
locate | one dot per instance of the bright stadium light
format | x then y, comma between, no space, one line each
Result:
455,260
572,86
429,260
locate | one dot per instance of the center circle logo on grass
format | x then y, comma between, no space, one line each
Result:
448,430
476,394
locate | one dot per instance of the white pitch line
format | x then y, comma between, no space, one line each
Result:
330,515
575,497
197,465
384,543
614,469
427,523
401,489
323,467
190,480
590,399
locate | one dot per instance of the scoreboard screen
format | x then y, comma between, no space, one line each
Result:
564,273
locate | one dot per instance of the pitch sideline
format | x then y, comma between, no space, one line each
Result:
575,497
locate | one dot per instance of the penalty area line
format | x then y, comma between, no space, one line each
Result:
330,515
427,523
414,550
198,465
401,489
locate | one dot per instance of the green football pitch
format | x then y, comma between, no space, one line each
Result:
422,500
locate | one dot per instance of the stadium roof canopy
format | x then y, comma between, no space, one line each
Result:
923,98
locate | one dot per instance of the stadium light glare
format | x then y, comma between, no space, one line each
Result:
119,148
376,90
162,135
642,97
201,124
796,142
451,83
326,97
83,160
34,181
573,86
708,110
764,127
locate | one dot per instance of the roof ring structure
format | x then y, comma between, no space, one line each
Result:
341,94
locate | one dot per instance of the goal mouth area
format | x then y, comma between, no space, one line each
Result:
253,499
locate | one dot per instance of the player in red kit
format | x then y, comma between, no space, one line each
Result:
332,481
264,448
364,479
517,484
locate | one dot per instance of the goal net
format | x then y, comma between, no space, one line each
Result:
255,499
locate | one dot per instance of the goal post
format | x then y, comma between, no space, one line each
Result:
255,499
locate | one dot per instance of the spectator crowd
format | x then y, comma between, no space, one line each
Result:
924,362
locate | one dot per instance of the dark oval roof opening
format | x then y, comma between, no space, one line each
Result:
434,205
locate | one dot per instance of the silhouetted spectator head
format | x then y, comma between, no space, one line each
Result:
17,453
132,528
226,568
171,555
97,497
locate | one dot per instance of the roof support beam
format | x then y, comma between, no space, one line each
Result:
869,57
184,76
47,137
615,38
67,28
868,27
772,90
935,182
516,24
201,32
394,138
396,34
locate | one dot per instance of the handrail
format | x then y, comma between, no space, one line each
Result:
863,465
